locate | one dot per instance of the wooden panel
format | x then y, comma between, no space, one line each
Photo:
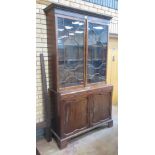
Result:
52,54
69,10
75,115
55,111
100,107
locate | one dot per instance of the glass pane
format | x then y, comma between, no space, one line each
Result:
70,51
97,52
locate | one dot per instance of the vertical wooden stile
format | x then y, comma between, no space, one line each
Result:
85,51
46,101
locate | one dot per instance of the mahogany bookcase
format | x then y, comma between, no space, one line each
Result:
81,99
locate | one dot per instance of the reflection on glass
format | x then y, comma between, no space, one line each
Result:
97,52
70,51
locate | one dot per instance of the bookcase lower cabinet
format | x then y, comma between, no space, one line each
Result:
80,111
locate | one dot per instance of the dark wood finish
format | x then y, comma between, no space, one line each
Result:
75,114
100,110
62,142
52,48
46,100
81,108
69,9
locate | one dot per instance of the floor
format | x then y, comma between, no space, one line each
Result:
97,142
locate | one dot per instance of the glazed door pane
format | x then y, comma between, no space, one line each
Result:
97,52
70,52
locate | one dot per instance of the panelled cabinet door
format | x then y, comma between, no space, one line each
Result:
99,107
75,115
